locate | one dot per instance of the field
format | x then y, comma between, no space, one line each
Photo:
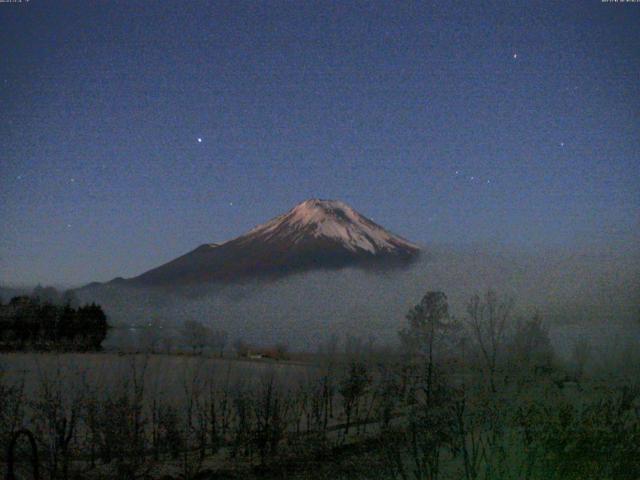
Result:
174,402
166,375
487,398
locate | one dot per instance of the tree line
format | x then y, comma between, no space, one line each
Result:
30,323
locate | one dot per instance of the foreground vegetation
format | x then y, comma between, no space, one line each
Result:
34,323
483,397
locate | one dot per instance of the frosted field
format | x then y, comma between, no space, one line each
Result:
169,377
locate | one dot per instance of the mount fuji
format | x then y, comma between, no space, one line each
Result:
322,254
316,234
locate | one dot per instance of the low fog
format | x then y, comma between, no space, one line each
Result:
580,295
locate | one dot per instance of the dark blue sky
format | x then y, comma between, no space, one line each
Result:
514,123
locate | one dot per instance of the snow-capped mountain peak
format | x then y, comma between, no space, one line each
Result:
314,234
333,220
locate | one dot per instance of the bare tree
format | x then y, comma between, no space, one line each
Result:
57,409
271,407
581,353
196,335
487,319
150,340
11,410
352,387
116,423
282,351
430,334
467,436
241,348
219,340
530,344
195,420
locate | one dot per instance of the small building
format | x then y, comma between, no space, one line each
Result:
274,353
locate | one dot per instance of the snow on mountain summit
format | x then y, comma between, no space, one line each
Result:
314,234
331,219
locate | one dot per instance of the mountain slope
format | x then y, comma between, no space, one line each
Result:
314,234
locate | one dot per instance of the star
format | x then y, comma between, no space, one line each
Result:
562,144
515,56
199,140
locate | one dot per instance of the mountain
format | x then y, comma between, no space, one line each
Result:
316,234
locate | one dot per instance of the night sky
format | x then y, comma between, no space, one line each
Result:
134,131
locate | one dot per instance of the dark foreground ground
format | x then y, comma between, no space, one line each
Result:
101,416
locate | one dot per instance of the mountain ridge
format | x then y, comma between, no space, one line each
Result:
315,234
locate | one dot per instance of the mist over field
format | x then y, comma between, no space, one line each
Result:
595,295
